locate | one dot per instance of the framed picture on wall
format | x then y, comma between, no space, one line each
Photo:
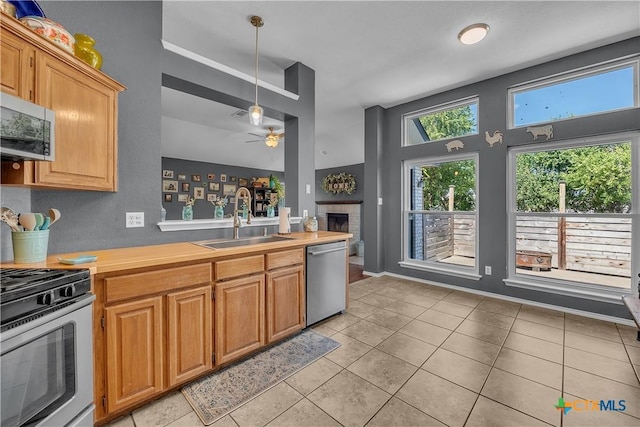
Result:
211,176
185,187
170,186
182,177
183,197
233,179
223,177
198,192
229,190
196,178
168,197
214,186
167,173
212,197
243,182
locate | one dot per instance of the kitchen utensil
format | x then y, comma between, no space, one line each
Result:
45,224
28,221
39,220
54,214
10,218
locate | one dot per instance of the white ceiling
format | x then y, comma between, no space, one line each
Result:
364,53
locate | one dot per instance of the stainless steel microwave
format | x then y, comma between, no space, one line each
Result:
27,130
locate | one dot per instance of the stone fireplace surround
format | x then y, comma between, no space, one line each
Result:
352,208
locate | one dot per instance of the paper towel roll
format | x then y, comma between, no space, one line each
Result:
285,227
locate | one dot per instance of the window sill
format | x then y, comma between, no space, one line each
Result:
613,296
206,224
469,274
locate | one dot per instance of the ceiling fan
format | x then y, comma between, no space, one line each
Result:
271,138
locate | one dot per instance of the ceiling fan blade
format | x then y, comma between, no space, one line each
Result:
256,134
255,140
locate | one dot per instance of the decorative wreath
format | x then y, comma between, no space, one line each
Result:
339,183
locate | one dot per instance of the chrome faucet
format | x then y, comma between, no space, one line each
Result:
237,221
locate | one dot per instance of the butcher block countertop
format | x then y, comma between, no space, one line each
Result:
122,259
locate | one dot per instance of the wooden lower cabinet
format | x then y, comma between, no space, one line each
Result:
285,302
134,349
240,324
189,325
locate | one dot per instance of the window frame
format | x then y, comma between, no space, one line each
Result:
442,268
571,75
566,287
408,118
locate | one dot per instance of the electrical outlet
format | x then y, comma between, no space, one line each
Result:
379,201
305,213
307,188
135,219
487,270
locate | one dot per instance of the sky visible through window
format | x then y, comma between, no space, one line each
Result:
587,95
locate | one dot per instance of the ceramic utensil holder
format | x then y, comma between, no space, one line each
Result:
30,246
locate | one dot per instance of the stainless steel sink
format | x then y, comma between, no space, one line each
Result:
221,244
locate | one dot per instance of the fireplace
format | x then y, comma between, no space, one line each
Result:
338,222
346,218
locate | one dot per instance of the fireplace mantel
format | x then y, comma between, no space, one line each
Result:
339,202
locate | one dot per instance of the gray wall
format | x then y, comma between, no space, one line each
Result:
203,209
383,161
128,35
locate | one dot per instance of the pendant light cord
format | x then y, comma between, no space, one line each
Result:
256,64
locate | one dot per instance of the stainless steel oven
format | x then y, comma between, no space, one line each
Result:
46,356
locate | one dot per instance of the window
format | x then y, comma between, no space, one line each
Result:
440,215
572,226
446,121
592,91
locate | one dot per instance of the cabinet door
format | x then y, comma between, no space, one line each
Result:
239,308
17,71
189,335
85,131
134,352
285,302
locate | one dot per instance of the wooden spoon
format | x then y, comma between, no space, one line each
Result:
54,214
28,221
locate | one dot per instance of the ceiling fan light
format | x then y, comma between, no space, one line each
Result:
473,33
271,141
256,113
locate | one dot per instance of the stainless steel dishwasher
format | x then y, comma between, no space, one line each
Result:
326,280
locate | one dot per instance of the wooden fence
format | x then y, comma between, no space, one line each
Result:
595,245
591,244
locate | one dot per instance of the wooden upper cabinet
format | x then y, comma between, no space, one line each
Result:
85,101
17,71
135,349
189,334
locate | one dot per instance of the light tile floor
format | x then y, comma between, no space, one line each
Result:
419,355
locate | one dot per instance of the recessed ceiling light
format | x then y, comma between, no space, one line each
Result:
473,33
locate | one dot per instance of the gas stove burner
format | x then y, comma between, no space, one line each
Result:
26,291
15,278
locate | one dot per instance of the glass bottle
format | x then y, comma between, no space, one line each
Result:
187,213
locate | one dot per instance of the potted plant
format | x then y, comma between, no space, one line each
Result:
275,184
218,210
187,209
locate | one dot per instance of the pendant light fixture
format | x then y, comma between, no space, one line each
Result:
256,112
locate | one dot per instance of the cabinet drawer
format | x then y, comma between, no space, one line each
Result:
135,285
239,267
285,258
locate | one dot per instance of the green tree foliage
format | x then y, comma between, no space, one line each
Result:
436,180
598,179
448,124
